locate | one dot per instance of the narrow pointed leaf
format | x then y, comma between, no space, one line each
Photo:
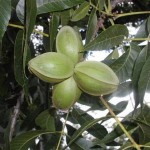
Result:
23,141
84,127
18,61
54,23
81,12
109,38
46,6
92,23
123,66
5,13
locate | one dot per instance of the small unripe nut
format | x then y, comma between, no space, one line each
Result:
51,67
69,43
65,94
95,78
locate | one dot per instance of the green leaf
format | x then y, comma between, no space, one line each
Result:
81,144
45,121
123,66
144,81
23,141
46,6
85,126
117,132
124,89
5,14
54,23
31,11
20,11
81,12
92,23
18,62
140,61
109,38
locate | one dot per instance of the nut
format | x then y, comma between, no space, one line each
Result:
69,43
51,67
65,94
95,78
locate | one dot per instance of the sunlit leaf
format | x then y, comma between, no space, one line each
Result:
123,66
45,6
81,12
5,13
109,38
23,141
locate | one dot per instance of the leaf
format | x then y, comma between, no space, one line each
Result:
20,11
18,62
81,144
144,81
109,38
124,89
123,66
46,6
148,24
23,141
54,23
81,12
5,14
31,12
117,132
91,29
119,107
137,71
45,121
84,127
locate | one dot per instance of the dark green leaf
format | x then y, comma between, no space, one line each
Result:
85,126
46,6
45,121
109,38
23,141
123,66
5,13
81,12
18,62
144,81
92,23
117,132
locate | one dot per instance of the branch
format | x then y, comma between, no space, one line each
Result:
14,117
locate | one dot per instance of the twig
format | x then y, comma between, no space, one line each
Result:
14,117
62,132
120,124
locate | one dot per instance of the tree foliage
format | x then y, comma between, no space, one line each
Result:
28,118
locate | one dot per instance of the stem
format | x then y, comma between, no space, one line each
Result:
62,132
131,13
22,27
137,39
111,20
120,124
